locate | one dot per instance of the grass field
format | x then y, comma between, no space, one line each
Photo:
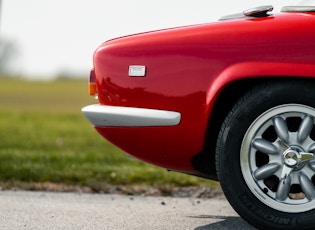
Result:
46,142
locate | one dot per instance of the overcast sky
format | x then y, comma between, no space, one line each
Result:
61,35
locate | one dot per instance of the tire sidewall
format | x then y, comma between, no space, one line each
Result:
244,113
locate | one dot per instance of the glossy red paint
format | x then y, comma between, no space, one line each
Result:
187,68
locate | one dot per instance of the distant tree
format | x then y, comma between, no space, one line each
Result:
8,50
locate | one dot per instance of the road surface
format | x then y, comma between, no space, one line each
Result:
44,210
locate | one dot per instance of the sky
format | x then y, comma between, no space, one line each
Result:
60,36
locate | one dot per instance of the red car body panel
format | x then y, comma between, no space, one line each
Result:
186,70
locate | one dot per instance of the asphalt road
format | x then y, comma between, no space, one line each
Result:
41,210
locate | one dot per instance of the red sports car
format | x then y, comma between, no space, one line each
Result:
232,101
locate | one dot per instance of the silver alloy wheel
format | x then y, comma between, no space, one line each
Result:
277,159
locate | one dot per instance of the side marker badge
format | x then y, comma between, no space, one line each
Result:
137,71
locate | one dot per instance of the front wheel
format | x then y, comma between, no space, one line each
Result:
265,156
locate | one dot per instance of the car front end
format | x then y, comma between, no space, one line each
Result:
231,100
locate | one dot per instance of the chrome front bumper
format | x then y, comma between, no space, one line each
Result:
116,116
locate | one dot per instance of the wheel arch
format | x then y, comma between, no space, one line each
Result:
236,81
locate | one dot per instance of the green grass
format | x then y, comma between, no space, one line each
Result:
45,139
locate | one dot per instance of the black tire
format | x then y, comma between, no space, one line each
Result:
264,155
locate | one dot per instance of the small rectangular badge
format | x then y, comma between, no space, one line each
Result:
137,71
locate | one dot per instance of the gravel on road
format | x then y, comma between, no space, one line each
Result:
47,210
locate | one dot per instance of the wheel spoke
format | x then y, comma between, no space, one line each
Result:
305,128
265,146
266,171
281,129
312,164
284,184
307,186
312,148
283,188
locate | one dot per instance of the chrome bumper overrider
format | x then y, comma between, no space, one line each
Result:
116,116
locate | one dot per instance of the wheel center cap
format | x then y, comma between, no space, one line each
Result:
291,157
